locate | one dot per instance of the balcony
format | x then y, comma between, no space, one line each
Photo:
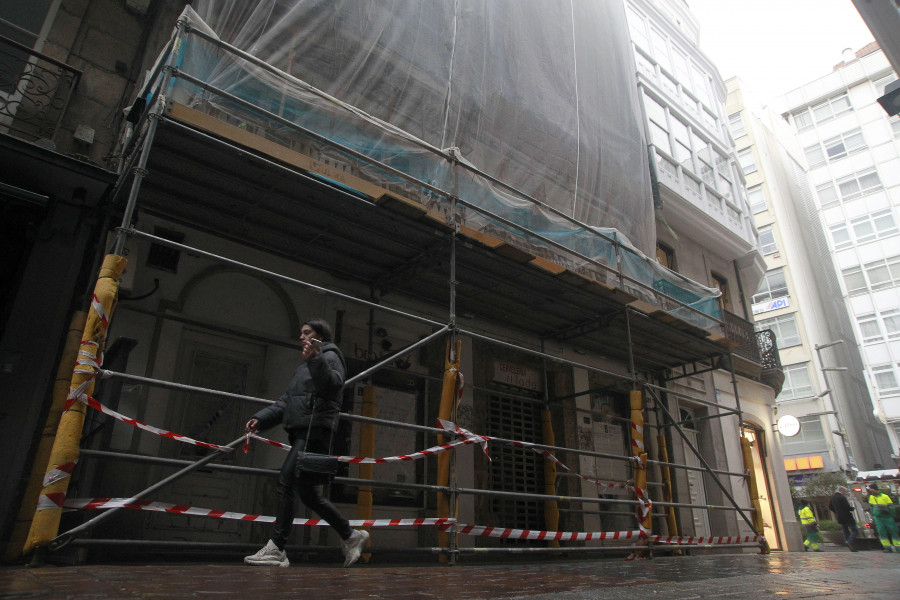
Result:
755,352
35,91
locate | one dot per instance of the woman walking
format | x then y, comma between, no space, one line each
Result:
309,412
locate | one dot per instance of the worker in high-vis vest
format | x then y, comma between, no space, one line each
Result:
810,526
882,509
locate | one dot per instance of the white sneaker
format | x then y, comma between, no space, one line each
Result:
352,546
268,555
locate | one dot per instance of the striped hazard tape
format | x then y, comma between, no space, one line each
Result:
58,473
104,503
444,524
690,540
528,534
369,460
468,438
85,399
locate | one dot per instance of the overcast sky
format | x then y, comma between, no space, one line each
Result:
776,46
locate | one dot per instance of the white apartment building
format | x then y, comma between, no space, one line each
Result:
852,149
798,300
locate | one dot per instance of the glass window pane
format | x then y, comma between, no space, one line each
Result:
748,164
757,199
803,121
767,241
892,323
879,276
854,279
840,236
814,155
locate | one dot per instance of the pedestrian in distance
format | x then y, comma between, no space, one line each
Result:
840,506
810,526
882,509
309,411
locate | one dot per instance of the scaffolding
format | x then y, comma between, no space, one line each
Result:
628,301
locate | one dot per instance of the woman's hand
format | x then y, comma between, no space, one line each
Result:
310,349
252,425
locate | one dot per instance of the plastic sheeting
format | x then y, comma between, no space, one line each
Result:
537,96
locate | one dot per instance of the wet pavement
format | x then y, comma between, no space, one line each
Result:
834,575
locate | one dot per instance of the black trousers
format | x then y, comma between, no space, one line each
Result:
310,487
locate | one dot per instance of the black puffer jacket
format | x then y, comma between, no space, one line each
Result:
314,392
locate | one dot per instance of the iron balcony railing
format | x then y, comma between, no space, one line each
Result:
757,346
35,91
768,349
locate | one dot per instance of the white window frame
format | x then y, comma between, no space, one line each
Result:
858,184
840,236
767,243
747,161
843,145
803,387
803,120
771,293
815,156
885,374
831,108
757,193
827,195
787,333
891,320
810,440
874,226
869,328
736,125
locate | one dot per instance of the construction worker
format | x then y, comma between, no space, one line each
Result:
810,526
882,510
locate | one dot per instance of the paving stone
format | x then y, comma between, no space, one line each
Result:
829,576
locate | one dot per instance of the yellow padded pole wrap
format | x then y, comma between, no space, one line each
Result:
366,448
551,507
65,450
671,523
445,412
637,450
753,490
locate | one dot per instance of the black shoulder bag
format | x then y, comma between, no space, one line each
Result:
312,462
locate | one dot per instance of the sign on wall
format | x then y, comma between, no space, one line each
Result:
516,375
777,303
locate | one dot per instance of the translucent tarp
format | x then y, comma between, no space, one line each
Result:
538,98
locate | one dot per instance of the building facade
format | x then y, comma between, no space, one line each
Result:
851,147
824,386
270,187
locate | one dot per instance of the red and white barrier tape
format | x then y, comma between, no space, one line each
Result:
468,438
53,500
59,473
637,437
527,534
690,540
367,460
135,423
101,312
104,503
445,524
